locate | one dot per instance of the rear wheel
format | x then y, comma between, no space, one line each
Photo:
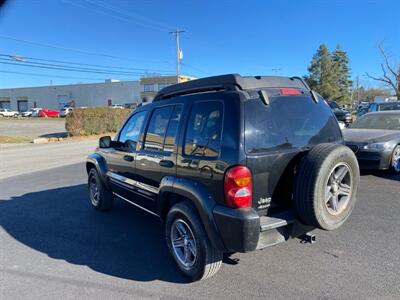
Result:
189,244
325,187
100,197
395,162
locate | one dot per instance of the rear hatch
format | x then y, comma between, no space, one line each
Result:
277,134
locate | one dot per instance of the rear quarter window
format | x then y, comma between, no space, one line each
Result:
204,129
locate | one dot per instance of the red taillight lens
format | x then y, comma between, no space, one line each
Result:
290,92
238,187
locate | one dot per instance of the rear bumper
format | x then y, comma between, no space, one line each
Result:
242,230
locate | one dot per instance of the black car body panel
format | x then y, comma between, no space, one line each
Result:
192,158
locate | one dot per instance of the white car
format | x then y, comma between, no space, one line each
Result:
65,111
5,112
33,112
118,106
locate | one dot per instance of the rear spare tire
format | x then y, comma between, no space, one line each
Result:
325,186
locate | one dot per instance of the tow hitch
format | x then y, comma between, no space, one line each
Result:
308,238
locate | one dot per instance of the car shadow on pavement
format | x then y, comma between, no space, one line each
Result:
63,134
124,242
382,174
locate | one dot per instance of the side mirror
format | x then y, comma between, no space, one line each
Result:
105,142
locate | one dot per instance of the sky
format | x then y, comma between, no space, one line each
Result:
245,37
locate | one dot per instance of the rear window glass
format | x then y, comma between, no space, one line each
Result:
389,106
378,121
288,122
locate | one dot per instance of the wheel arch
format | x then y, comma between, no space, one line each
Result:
174,190
98,162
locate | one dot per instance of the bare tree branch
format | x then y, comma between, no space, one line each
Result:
386,59
390,76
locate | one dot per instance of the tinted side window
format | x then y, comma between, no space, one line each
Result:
203,133
155,134
169,143
131,132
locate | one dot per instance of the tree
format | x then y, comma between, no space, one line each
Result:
369,94
323,74
390,73
342,69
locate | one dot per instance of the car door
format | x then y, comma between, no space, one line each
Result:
121,157
157,158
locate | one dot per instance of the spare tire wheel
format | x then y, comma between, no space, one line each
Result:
325,186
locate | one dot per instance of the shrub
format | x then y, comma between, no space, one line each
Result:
96,120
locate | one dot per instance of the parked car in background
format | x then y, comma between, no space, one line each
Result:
33,112
342,115
117,106
375,139
362,111
363,104
65,111
48,113
5,112
381,106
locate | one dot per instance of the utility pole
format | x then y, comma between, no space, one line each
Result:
177,33
358,90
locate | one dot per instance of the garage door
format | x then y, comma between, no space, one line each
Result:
22,105
5,104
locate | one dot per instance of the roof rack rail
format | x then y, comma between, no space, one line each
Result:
229,82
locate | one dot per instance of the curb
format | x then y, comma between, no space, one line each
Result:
47,140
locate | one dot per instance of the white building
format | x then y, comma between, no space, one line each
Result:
78,95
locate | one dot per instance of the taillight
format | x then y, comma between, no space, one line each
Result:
238,187
290,92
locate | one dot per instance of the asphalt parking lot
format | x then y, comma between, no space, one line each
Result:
32,127
53,245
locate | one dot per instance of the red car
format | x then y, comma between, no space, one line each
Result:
49,113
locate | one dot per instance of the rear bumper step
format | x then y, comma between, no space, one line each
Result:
280,228
277,220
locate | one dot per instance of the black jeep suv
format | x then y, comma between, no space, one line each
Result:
229,164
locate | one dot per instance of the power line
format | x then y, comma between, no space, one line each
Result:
81,64
50,76
68,49
20,60
69,69
134,17
102,8
195,68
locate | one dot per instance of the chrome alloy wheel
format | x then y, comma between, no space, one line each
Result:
338,189
396,159
183,243
94,191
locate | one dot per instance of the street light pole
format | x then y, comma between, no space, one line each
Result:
177,33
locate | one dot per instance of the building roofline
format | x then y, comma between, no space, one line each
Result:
65,85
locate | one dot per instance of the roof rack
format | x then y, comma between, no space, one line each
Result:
229,82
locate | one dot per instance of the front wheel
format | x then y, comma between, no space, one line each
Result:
395,162
100,197
189,244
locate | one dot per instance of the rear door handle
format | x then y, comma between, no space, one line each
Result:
128,158
166,163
